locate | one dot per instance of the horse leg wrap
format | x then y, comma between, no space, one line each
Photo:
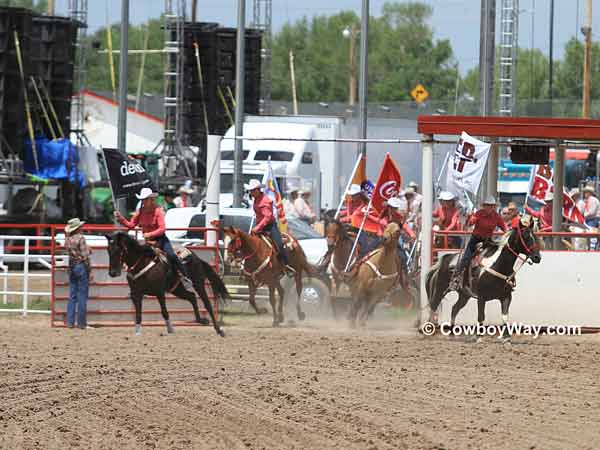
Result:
138,329
170,328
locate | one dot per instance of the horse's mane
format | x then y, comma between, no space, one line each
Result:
343,231
493,246
130,242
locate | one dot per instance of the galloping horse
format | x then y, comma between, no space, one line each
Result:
495,279
339,247
260,266
375,276
149,274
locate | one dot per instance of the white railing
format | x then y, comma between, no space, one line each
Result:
26,258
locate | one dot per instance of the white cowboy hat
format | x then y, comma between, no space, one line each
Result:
446,195
489,200
395,202
354,190
186,190
410,190
146,193
412,184
253,184
589,188
303,191
549,197
74,224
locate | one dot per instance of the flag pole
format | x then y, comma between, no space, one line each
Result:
358,234
112,192
339,208
437,184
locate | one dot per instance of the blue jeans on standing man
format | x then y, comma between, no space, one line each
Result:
78,295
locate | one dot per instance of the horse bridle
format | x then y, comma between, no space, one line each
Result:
528,250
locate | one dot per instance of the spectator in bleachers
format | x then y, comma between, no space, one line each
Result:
289,207
591,210
576,196
185,197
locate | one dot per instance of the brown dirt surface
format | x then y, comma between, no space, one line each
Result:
316,386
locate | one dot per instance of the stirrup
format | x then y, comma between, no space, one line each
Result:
187,284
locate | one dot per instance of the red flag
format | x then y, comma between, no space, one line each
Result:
388,183
570,210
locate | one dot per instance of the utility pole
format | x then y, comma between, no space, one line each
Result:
551,57
194,10
487,49
587,60
50,7
364,74
240,76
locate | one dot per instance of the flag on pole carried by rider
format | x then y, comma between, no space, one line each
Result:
273,192
465,167
541,183
389,183
359,177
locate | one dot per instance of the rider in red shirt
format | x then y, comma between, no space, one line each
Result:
485,220
357,201
151,219
266,222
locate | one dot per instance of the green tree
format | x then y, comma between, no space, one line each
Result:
40,6
402,53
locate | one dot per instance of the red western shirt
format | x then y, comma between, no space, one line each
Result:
151,221
449,218
263,208
388,216
353,205
485,223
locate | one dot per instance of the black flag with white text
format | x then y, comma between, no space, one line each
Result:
127,176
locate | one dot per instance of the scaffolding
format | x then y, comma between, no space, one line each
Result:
262,21
171,148
78,12
509,30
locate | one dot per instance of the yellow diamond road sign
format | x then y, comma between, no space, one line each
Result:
419,93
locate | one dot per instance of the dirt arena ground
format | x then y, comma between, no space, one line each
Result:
318,386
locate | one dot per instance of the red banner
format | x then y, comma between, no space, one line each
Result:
388,183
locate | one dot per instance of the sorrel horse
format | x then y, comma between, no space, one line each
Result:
339,247
375,277
261,266
495,277
149,274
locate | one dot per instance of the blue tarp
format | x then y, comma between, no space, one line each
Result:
57,160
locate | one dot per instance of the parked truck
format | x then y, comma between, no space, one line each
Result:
321,167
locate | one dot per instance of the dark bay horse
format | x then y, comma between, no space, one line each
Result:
261,266
150,275
495,278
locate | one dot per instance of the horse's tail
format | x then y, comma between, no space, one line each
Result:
439,273
216,283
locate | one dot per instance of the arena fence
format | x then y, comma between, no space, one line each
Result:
29,251
109,302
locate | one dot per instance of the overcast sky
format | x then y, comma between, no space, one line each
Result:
456,20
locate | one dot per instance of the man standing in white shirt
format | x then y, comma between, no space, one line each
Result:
591,207
304,210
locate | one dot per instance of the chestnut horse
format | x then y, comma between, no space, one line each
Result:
261,266
376,275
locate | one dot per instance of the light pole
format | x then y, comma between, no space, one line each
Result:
351,33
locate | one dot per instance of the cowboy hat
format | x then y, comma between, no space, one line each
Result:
146,193
74,224
395,202
412,184
489,200
185,190
589,188
253,184
446,195
549,197
354,190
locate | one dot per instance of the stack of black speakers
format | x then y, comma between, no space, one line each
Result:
217,50
48,51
